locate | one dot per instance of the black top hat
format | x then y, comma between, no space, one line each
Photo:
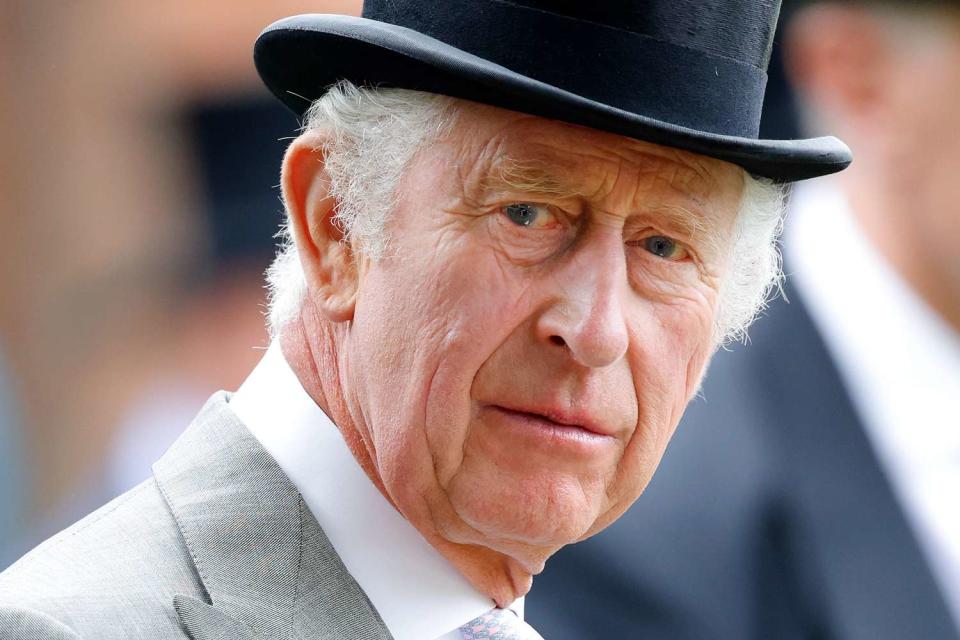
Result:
689,74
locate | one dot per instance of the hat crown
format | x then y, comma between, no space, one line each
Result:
738,29
741,30
697,64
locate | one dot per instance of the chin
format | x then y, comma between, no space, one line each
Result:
544,515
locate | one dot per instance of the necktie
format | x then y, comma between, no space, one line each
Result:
498,624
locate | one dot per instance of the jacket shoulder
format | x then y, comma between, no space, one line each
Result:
113,571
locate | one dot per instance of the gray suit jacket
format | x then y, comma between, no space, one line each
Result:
217,545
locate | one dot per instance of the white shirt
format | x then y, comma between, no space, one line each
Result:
900,362
418,594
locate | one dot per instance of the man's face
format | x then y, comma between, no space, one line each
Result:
921,160
887,76
524,352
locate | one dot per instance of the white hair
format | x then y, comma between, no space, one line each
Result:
372,134
755,264
370,137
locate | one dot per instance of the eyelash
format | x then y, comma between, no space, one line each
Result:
680,247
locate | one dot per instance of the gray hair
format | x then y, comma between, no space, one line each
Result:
371,136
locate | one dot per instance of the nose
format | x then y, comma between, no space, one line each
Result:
586,316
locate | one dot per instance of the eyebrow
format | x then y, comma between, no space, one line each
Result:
689,224
529,176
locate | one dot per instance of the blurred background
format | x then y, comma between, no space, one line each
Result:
139,158
810,493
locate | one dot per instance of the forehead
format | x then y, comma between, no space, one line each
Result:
496,145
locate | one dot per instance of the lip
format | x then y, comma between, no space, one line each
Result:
534,440
556,418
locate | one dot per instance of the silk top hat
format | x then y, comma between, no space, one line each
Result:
689,74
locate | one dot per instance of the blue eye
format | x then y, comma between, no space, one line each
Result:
665,247
522,214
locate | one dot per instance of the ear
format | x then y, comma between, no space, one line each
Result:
327,261
837,55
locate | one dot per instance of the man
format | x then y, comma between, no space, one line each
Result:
498,295
812,493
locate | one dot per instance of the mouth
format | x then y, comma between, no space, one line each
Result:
554,423
534,439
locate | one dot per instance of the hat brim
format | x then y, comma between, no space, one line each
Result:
298,58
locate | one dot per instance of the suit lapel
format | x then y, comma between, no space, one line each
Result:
204,622
267,566
839,507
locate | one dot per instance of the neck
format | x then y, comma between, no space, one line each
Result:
309,346
904,231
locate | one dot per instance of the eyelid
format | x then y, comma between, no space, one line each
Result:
570,207
690,254
559,214
649,232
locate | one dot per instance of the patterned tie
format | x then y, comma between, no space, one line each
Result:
498,624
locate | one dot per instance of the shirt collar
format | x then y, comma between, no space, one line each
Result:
417,593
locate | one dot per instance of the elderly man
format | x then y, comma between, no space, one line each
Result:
814,492
507,268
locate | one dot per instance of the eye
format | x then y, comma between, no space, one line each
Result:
527,214
665,247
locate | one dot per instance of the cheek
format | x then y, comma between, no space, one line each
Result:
673,340
489,305
671,346
428,322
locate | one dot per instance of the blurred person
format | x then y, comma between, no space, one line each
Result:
496,299
216,333
98,219
237,143
812,491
